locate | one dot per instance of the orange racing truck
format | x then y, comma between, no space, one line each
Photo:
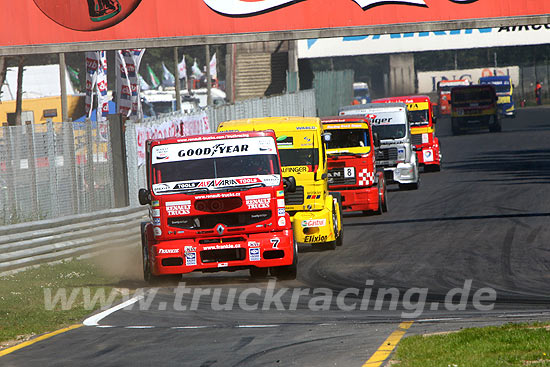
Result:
422,120
216,202
444,92
352,166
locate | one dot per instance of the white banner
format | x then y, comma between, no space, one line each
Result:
424,41
177,126
102,98
427,80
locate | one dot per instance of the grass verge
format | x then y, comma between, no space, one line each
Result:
24,298
507,345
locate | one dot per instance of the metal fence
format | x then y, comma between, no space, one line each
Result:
294,104
333,89
52,170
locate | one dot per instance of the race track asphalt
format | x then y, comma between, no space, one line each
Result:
481,221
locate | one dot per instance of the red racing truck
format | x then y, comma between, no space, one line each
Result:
421,117
216,202
352,166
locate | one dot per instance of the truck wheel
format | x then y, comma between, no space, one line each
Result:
340,238
147,275
495,127
288,272
385,200
258,273
455,126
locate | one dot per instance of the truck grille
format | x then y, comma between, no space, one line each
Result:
200,222
416,139
295,198
386,154
336,177
211,256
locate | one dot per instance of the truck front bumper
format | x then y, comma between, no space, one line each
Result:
404,173
313,227
237,252
360,199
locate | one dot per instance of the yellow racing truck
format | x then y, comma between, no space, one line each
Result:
316,213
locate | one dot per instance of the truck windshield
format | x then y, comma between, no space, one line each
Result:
500,88
418,117
212,168
393,131
473,94
348,138
300,157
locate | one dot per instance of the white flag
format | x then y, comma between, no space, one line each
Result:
213,67
168,79
182,69
197,73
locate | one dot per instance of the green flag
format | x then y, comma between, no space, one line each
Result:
73,74
155,82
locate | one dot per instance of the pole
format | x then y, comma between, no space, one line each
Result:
63,82
208,77
177,80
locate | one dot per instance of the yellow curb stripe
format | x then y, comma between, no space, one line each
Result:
388,346
36,340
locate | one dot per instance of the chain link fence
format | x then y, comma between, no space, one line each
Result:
52,170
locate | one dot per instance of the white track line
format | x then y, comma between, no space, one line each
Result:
95,319
256,326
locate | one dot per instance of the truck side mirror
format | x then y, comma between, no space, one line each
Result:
289,184
376,139
144,196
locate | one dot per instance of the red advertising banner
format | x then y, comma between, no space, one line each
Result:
42,22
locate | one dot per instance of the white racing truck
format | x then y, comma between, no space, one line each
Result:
396,153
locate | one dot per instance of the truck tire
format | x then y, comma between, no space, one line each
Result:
258,273
287,272
340,238
455,126
147,275
385,200
495,127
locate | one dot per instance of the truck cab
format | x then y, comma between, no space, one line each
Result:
352,167
505,93
422,120
474,107
444,92
396,154
314,212
216,202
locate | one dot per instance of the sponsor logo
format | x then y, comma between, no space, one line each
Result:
254,254
156,221
222,247
281,203
161,187
313,238
253,244
155,212
169,251
280,193
294,169
247,181
186,185
157,231
280,211
247,7
282,222
314,223
258,201
190,258
223,265
188,249
216,149
174,208
155,203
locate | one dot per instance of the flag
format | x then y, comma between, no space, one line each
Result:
102,98
213,67
73,75
182,69
142,83
197,73
154,80
92,63
168,79
123,88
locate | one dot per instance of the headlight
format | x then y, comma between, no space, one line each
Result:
401,154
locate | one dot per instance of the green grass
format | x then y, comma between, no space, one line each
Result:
508,345
23,302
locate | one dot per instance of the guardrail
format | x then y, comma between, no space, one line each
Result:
27,244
